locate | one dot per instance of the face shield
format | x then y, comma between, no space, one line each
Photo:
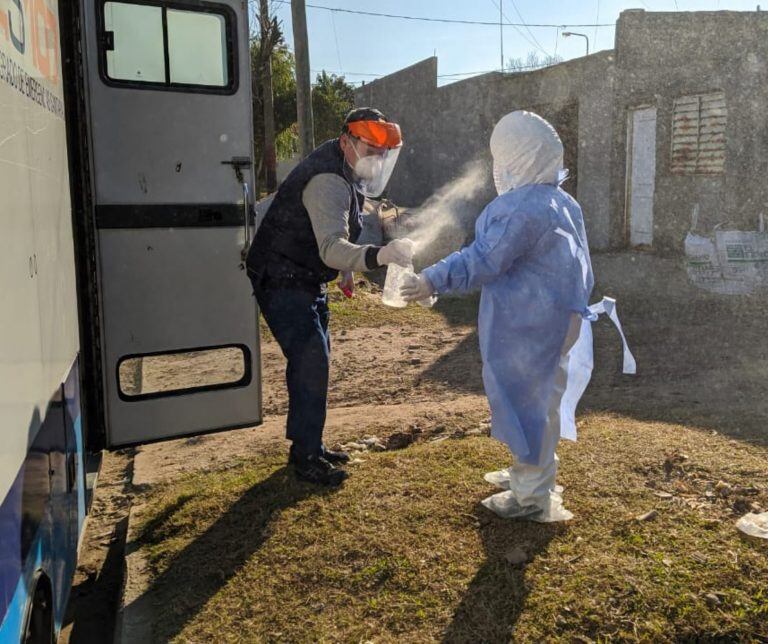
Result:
377,146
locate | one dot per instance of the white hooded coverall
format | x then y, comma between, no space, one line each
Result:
531,259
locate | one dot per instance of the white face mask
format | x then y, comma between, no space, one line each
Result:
372,172
369,167
504,179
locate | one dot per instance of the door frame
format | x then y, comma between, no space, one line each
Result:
85,238
86,226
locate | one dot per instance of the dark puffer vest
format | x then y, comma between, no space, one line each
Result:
285,252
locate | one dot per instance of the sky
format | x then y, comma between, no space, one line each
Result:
363,47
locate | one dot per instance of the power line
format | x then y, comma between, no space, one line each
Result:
341,73
483,71
490,71
445,20
597,17
336,38
528,40
449,20
520,15
451,75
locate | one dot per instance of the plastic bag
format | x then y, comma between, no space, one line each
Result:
396,276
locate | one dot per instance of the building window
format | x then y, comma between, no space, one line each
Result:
165,46
698,134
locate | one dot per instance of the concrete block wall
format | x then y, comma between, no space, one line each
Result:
446,128
408,97
662,56
657,58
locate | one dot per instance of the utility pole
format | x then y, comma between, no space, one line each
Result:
303,87
501,32
270,158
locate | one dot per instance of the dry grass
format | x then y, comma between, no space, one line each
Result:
403,552
365,309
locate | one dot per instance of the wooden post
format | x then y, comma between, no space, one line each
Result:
270,158
303,86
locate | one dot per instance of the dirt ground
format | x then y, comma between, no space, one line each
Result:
701,362
97,586
700,356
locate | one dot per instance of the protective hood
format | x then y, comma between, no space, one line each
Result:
526,150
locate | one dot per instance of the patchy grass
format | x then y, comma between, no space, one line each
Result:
365,309
403,552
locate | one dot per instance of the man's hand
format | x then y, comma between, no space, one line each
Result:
347,283
415,288
398,251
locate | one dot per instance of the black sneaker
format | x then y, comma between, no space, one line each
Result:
335,457
318,470
332,456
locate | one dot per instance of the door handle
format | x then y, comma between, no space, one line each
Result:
246,221
238,165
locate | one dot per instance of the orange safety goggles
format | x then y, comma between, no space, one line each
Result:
379,134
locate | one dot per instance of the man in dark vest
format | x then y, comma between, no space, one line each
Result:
306,239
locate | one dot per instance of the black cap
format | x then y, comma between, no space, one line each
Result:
364,114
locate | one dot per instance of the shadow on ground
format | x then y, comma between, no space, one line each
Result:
496,595
702,358
461,368
243,527
459,310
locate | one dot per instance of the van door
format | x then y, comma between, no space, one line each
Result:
171,146
641,155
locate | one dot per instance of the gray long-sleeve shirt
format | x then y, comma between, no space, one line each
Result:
327,198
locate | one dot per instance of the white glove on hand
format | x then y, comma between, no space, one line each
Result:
398,251
416,288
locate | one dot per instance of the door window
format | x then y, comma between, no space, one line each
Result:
137,49
188,371
197,48
177,48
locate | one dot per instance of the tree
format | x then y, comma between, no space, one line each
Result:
332,98
532,61
284,88
262,43
284,100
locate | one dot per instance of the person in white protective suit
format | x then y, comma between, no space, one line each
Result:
531,259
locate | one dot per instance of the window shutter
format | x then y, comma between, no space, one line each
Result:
698,134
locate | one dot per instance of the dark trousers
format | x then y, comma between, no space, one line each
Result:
299,321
